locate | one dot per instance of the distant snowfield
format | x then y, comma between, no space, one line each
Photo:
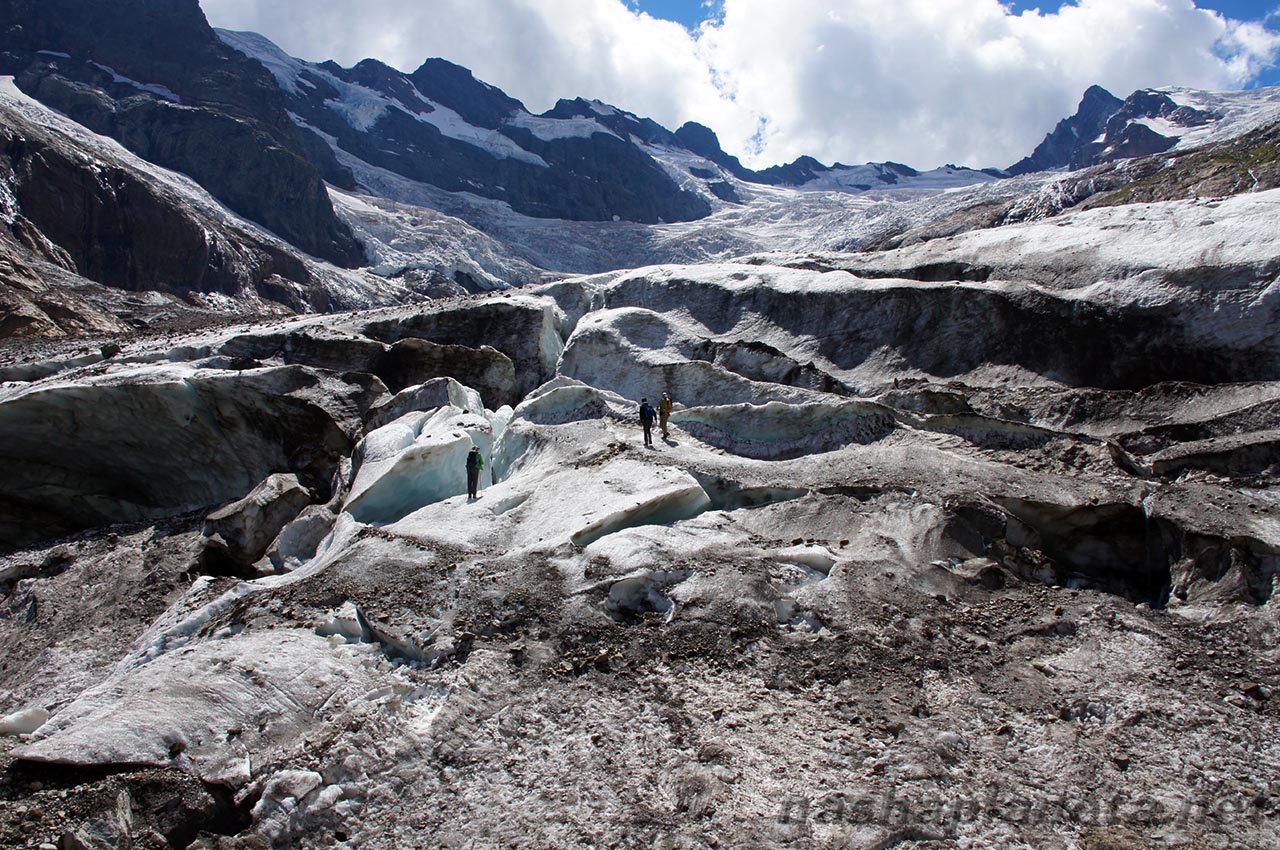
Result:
1108,244
550,129
1241,112
769,218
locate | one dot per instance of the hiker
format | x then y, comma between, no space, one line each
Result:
475,463
664,413
647,415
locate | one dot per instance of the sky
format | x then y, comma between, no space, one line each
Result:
925,82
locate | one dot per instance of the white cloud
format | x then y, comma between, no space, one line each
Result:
918,81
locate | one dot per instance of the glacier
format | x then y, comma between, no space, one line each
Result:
966,532
1015,528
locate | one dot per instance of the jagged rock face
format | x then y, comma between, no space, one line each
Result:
125,67
1125,137
441,126
454,87
116,229
624,124
99,241
30,307
1247,163
1106,129
581,160
1060,147
704,142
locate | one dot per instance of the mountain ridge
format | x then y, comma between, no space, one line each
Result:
440,183
503,128
152,75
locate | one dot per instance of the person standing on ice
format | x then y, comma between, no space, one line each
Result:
475,463
647,415
664,413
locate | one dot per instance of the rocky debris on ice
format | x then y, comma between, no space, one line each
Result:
887,553
215,709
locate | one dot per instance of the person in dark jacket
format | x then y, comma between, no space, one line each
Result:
475,463
647,415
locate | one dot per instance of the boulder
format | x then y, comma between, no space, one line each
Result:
239,534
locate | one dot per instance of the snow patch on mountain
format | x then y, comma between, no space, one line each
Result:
361,107
455,126
282,66
876,176
151,88
401,238
770,218
551,129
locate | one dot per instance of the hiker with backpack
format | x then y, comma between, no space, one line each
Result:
647,415
475,463
664,413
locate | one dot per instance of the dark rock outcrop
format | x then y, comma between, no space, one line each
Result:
108,225
152,74
1106,129
488,150
704,142
1059,147
89,234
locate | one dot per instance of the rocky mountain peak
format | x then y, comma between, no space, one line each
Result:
1095,102
455,87
624,124
700,139
1105,129
705,143
1061,146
